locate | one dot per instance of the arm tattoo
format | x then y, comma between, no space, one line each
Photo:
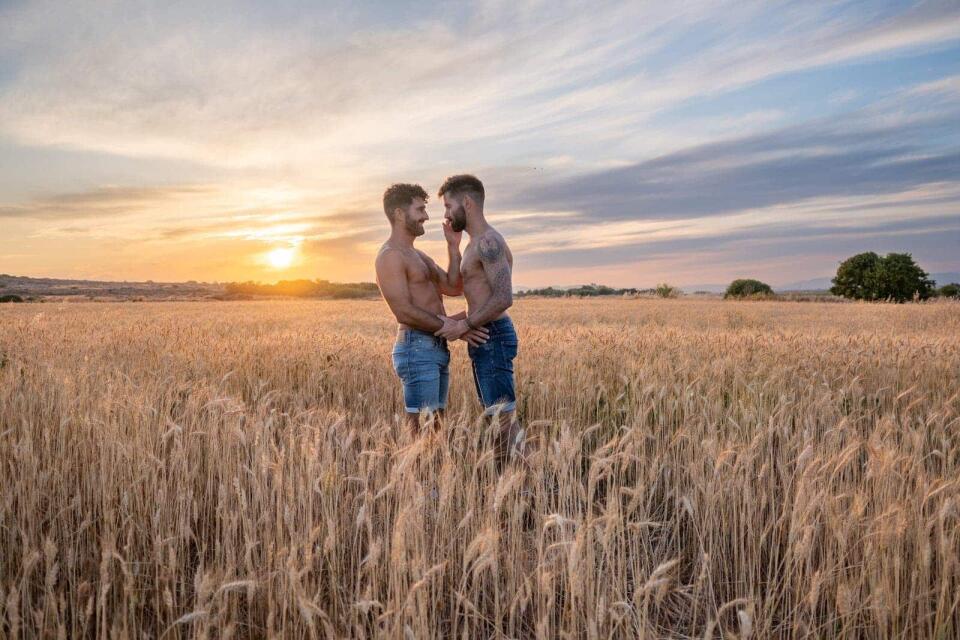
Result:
490,249
495,264
498,272
500,281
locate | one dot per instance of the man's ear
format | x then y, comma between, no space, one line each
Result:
468,203
398,214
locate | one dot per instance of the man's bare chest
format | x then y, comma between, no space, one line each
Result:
417,270
470,265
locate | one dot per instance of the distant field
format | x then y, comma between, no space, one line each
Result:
700,469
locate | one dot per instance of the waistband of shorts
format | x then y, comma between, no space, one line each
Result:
408,335
500,325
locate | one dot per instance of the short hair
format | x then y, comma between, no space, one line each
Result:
463,184
401,195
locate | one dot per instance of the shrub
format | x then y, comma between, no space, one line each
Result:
951,290
747,287
664,290
11,298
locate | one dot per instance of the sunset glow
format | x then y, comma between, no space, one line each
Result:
622,142
281,258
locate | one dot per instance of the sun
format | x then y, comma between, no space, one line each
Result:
281,257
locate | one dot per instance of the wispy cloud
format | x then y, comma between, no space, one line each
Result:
175,81
784,166
307,112
103,202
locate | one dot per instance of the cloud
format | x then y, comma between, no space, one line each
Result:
948,87
210,84
197,215
938,237
102,202
835,159
344,242
297,116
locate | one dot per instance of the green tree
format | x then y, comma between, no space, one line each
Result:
747,287
900,278
867,276
856,277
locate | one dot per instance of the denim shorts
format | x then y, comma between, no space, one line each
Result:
493,367
422,361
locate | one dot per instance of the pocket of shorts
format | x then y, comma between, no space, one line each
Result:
510,348
484,347
420,353
401,358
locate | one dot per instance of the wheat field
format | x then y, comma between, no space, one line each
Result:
696,469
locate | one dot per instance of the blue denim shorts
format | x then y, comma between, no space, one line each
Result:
493,367
422,361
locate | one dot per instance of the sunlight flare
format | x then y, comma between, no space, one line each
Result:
281,257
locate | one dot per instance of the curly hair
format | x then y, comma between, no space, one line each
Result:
463,184
401,195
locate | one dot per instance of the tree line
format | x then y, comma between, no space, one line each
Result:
895,277
303,289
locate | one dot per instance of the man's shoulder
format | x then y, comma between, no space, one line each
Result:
388,256
490,244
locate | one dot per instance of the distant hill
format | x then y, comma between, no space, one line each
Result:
586,290
63,289
709,288
53,289
303,289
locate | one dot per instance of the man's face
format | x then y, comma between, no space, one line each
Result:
454,212
414,216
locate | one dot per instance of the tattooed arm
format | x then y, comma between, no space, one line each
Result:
493,256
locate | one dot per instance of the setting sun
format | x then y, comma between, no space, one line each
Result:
281,257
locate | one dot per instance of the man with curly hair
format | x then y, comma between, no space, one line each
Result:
413,286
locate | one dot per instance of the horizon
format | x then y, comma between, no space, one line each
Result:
618,144
810,284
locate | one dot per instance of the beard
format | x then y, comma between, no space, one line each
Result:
458,219
413,226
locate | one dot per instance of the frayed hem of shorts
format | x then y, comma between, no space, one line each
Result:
410,410
500,407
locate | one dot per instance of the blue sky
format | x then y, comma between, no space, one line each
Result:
625,143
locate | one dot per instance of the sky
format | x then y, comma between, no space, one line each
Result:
624,143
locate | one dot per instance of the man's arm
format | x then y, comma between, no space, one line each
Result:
392,279
450,282
493,256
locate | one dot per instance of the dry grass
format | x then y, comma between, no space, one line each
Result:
703,469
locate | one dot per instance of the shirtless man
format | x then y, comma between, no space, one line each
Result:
413,286
487,284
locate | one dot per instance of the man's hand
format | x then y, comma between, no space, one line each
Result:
475,337
453,237
452,329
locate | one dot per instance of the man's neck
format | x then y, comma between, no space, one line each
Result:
477,225
401,239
